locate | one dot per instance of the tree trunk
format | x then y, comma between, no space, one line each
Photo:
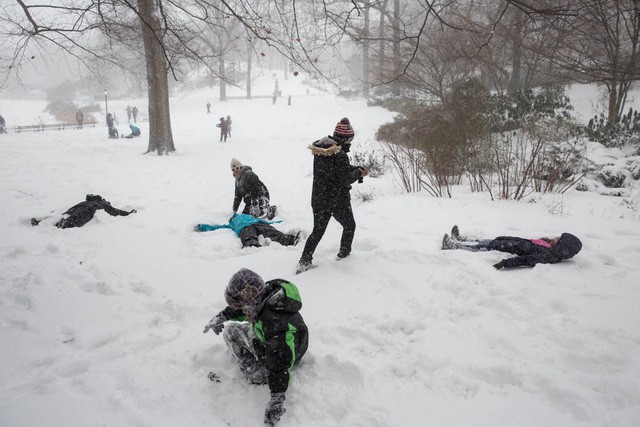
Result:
516,58
249,57
223,79
396,47
613,116
160,135
381,61
365,51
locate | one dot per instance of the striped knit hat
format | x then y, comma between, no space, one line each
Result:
343,129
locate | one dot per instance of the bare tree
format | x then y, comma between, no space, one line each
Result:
601,43
160,135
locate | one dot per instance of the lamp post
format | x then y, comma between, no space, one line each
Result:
106,106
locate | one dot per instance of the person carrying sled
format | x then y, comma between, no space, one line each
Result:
529,252
252,191
265,333
135,131
83,212
330,194
248,228
224,129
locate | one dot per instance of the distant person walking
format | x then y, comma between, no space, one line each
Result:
128,110
79,118
229,126
224,129
3,125
208,107
134,114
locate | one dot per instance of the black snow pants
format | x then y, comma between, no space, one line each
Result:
344,216
513,245
249,235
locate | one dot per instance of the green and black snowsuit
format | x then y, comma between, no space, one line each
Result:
281,336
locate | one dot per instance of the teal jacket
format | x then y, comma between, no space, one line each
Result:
237,223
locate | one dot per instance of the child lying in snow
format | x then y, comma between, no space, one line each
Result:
83,212
530,251
248,228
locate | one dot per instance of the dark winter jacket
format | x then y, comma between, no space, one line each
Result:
248,187
332,175
530,254
83,212
224,126
283,335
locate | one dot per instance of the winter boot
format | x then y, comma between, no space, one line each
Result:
303,265
297,238
300,236
447,243
343,253
455,233
273,210
34,222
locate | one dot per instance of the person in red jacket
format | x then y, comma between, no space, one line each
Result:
224,129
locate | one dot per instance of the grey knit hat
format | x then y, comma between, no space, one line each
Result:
244,290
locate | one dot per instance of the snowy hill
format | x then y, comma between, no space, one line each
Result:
102,325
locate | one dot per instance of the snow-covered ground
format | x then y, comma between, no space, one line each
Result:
102,325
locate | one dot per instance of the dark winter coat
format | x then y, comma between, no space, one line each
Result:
248,188
332,175
530,254
283,335
224,126
83,212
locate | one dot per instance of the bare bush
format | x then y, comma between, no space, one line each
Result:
371,160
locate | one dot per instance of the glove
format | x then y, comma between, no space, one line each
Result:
216,324
498,266
275,409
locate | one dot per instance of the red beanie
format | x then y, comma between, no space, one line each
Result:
343,129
